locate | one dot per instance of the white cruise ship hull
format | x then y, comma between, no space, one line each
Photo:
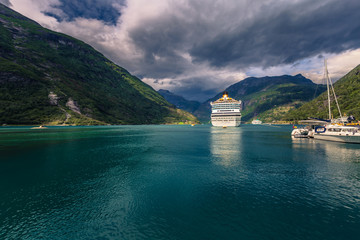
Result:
225,121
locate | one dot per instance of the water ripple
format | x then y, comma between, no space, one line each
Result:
176,182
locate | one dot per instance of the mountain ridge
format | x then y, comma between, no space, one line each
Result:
266,98
179,101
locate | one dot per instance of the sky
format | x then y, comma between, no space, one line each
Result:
197,48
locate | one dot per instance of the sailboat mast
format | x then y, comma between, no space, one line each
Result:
328,87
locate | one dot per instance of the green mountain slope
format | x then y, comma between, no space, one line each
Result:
51,78
267,98
347,91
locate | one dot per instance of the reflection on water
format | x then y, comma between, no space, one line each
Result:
335,172
226,145
334,151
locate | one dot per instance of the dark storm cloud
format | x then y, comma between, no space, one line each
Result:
280,32
162,42
91,9
6,3
287,36
197,88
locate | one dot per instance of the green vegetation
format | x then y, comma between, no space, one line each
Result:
267,98
179,116
347,90
36,63
276,101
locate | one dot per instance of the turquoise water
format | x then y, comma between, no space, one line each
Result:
176,182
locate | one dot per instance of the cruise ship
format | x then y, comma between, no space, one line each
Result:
226,112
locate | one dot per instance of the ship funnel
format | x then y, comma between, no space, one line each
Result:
225,94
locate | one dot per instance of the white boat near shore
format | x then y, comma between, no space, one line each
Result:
256,121
39,127
337,133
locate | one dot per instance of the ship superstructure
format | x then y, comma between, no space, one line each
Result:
226,112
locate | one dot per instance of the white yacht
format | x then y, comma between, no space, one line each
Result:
338,133
226,112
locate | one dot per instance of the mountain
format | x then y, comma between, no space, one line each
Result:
267,98
347,91
51,78
179,101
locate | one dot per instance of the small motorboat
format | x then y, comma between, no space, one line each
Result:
39,127
305,132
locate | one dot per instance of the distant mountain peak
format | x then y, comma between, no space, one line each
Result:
164,91
261,94
179,101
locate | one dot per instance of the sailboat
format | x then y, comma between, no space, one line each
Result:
335,129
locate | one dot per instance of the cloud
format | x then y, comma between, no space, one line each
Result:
6,3
204,46
347,60
338,66
199,84
241,37
105,10
249,33
35,9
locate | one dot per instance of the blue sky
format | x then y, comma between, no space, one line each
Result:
198,48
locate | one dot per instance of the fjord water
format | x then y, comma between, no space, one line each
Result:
176,182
